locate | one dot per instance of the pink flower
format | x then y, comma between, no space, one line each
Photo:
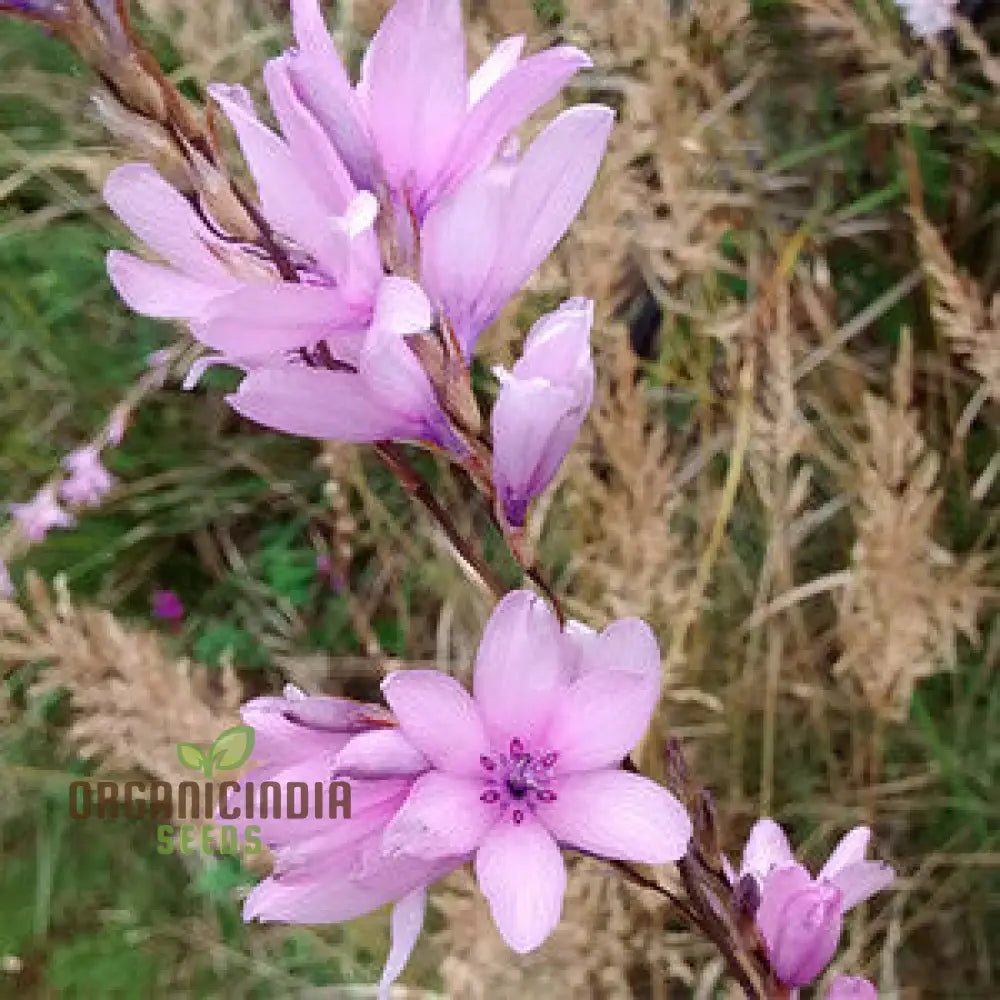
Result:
851,988
480,245
89,481
167,605
800,916
415,125
41,514
387,396
527,764
541,405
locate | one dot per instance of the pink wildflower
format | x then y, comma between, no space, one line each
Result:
89,481
541,405
527,764
800,916
41,514
167,605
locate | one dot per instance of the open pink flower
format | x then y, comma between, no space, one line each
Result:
41,514
801,917
416,125
526,765
851,988
88,482
543,401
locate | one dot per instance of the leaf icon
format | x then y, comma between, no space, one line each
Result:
191,756
232,748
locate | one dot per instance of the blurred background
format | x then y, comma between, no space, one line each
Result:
790,471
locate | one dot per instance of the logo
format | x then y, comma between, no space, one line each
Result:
229,751
207,800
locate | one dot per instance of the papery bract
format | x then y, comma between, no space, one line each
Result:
800,917
89,482
41,514
542,403
6,584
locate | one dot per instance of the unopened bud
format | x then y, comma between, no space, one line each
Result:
746,897
706,827
677,770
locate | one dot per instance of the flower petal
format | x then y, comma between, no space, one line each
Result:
518,668
413,76
517,90
330,893
767,848
599,718
521,873
851,849
162,219
444,815
381,753
438,716
156,290
627,644
270,316
310,146
617,815
497,64
407,923
459,244
548,189
330,406
851,988
322,84
862,880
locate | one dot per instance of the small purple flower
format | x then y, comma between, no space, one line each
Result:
800,917
526,765
41,514
6,584
851,988
167,606
541,406
88,482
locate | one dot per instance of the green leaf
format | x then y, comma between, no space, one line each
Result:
191,756
232,748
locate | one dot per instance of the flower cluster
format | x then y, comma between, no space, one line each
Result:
396,218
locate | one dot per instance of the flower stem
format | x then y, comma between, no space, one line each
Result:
414,484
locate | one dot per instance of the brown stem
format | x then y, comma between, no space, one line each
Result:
414,484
